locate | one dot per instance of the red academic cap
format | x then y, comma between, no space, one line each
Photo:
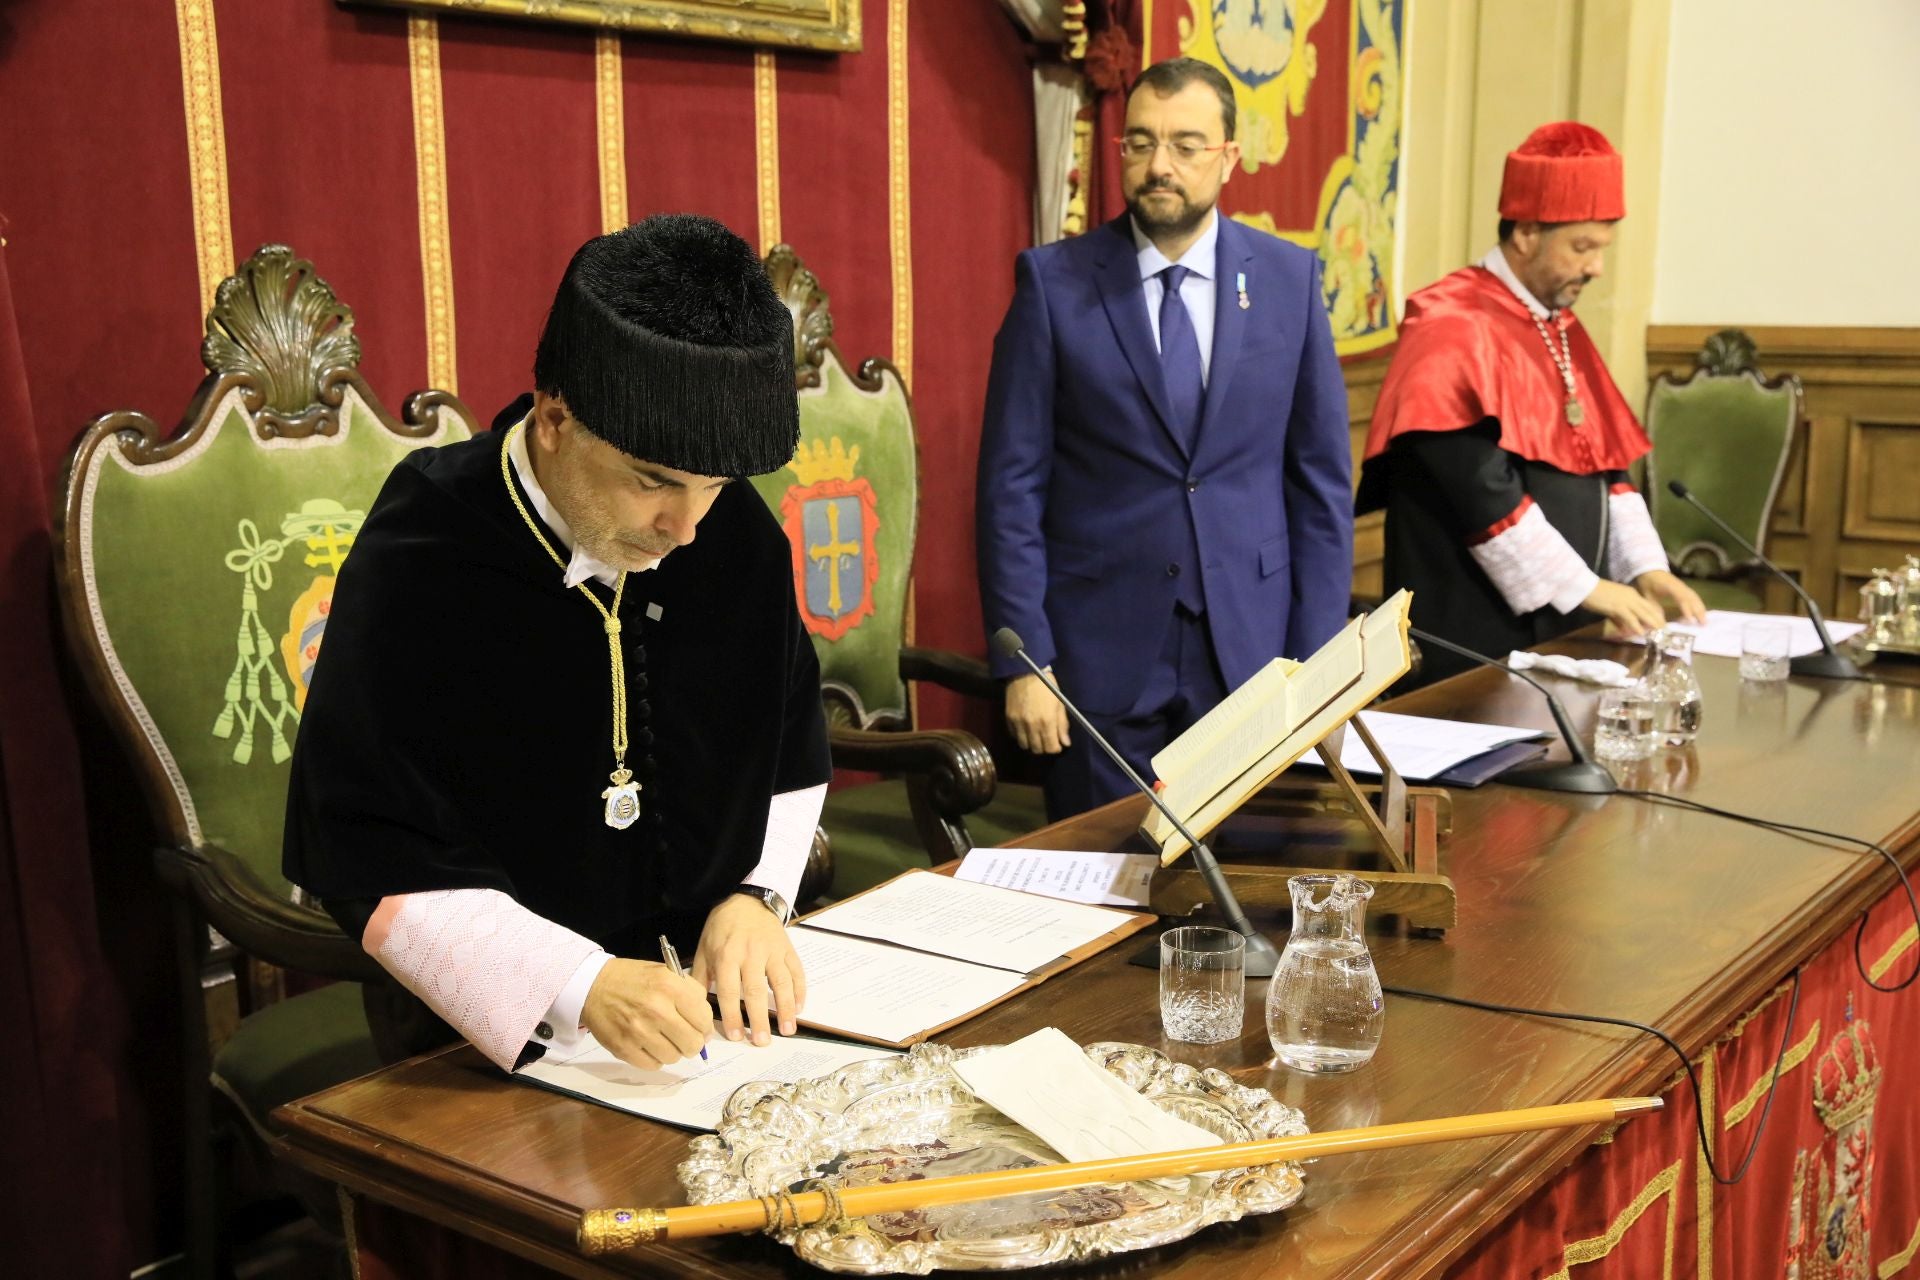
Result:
1563,172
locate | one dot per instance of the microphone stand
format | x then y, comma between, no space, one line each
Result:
1261,957
1830,664
1581,775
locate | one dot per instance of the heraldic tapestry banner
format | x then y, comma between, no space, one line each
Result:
1318,87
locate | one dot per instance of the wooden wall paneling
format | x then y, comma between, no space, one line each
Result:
1850,499
1369,531
1883,480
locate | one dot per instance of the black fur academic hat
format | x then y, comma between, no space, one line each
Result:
667,341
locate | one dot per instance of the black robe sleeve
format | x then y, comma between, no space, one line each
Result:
1444,491
1475,483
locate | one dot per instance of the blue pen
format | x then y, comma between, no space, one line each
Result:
671,959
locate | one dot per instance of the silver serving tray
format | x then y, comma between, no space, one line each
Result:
1898,647
897,1119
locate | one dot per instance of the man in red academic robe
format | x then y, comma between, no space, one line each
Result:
1500,443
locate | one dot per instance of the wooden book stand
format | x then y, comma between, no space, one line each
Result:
1407,828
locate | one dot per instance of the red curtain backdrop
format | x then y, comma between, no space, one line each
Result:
67,1034
317,119
1834,1190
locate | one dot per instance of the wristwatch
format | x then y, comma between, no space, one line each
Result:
772,901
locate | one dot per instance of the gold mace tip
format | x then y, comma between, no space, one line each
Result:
611,1230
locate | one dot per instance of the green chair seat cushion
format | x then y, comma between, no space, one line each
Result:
295,1047
871,830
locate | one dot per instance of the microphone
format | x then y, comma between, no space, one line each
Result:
1582,774
1261,958
1831,664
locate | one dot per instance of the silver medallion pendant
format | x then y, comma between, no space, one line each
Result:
623,800
1575,414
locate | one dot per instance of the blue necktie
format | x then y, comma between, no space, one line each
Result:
1180,358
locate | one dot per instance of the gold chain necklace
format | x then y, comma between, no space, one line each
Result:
623,797
1563,361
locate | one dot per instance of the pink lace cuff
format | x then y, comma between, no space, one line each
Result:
480,960
1633,545
1532,565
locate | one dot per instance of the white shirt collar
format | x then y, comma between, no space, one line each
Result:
1199,257
582,566
1496,262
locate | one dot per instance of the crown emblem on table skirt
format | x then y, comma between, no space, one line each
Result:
831,517
1830,1226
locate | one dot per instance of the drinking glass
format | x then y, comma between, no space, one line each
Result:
1764,650
1625,727
1203,984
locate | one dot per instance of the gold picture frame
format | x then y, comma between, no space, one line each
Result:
830,26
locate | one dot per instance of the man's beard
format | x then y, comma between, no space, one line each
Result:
1177,222
1569,293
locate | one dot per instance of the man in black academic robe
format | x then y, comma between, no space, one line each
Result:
457,796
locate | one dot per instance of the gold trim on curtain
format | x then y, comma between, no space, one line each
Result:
1894,1264
899,211
430,166
1793,1058
766,147
1665,1183
1901,945
1703,1176
900,246
206,145
610,111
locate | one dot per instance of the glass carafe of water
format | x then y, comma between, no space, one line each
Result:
1676,689
1325,1011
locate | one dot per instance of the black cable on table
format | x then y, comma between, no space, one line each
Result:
1860,933
1686,1064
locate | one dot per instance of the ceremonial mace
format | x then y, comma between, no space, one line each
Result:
610,1230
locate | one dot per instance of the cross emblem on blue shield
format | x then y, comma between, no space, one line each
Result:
831,526
836,576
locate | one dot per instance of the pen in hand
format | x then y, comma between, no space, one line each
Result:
671,958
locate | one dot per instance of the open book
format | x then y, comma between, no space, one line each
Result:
1271,721
924,951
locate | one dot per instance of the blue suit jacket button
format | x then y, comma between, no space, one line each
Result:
1173,571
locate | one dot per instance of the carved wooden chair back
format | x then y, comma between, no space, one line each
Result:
196,572
850,503
197,569
1727,432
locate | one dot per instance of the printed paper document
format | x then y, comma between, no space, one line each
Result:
1421,747
982,923
1047,1084
692,1093
1720,637
1113,879
862,988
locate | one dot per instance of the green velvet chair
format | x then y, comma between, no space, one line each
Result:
196,574
850,505
1726,432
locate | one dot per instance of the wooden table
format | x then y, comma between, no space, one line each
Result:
1597,904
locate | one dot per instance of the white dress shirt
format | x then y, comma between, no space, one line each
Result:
1496,262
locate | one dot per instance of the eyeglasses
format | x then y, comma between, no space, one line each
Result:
1183,150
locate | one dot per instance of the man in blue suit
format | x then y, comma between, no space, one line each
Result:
1165,498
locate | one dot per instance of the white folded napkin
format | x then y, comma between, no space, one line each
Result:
1586,670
